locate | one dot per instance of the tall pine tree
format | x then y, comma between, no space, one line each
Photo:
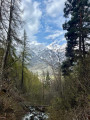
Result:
78,30
10,24
25,57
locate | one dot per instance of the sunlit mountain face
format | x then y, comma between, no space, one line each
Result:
44,57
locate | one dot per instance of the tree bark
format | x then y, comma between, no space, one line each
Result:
83,41
22,72
1,11
8,42
23,59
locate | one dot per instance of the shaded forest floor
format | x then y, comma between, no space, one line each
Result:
11,104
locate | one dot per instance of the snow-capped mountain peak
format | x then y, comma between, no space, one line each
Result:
45,56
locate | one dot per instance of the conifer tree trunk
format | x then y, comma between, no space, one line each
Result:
80,46
1,11
23,58
8,37
8,42
22,71
80,37
83,42
43,93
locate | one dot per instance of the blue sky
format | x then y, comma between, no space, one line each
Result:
43,21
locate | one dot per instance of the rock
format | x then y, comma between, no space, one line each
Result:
36,114
40,118
26,118
32,118
36,118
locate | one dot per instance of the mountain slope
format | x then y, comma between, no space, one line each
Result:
43,57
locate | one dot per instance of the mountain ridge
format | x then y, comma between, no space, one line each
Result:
43,57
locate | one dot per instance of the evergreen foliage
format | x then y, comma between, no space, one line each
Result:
25,56
47,79
78,30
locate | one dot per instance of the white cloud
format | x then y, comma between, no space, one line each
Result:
28,0
48,28
59,21
37,47
55,35
54,7
35,43
33,12
32,15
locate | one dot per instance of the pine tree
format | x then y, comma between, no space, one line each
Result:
78,29
1,10
3,19
25,56
10,30
47,79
